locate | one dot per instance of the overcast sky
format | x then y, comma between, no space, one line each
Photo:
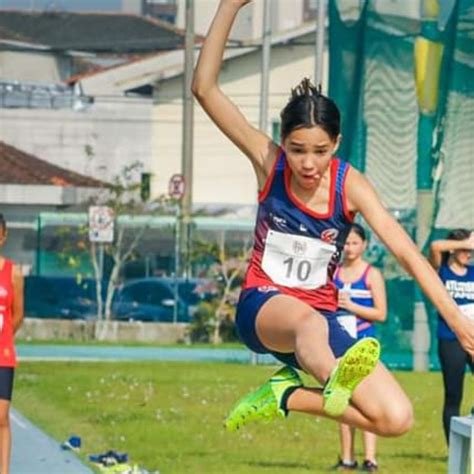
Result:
76,5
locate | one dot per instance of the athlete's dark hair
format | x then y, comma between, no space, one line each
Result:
3,223
306,108
457,234
359,230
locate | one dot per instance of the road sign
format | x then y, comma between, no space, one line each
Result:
101,224
176,186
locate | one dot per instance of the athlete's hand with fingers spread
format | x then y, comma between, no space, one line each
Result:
465,333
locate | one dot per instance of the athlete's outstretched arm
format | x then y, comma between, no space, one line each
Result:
363,198
18,299
223,112
438,247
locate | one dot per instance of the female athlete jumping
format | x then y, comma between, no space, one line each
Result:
307,202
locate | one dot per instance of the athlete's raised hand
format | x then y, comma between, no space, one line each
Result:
234,3
239,3
470,242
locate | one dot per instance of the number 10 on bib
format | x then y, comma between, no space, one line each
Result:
296,261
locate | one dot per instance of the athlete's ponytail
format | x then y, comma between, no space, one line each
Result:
308,107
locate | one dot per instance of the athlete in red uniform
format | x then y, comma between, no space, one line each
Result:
307,201
11,316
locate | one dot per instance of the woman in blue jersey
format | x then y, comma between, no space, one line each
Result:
451,257
362,301
308,199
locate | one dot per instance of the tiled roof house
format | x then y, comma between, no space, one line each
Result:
95,32
18,167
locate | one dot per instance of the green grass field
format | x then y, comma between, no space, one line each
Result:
168,416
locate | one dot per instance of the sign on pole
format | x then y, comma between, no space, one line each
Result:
101,224
176,186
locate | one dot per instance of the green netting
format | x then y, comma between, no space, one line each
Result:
402,73
456,196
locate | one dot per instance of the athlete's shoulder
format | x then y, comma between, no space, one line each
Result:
355,181
373,272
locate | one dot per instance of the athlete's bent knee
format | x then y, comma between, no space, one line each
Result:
398,421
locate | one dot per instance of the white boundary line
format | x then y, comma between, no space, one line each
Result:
17,421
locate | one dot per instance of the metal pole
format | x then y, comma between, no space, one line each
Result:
265,65
177,263
38,246
188,131
320,35
101,273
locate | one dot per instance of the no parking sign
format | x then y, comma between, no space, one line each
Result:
176,186
101,224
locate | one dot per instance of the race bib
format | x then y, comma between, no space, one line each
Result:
467,310
296,261
349,323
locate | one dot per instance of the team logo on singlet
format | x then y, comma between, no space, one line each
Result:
278,221
329,235
3,292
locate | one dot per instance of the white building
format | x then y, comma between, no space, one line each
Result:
43,114
97,141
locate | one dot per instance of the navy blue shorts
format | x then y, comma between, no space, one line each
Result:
248,307
6,382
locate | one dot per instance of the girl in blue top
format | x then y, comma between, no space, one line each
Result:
362,301
451,257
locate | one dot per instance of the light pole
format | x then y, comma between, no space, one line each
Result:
187,138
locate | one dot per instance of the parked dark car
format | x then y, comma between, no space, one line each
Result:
153,299
60,297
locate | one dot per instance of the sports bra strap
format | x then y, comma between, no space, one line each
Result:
366,273
280,165
341,169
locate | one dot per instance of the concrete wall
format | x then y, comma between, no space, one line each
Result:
78,330
37,66
117,130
